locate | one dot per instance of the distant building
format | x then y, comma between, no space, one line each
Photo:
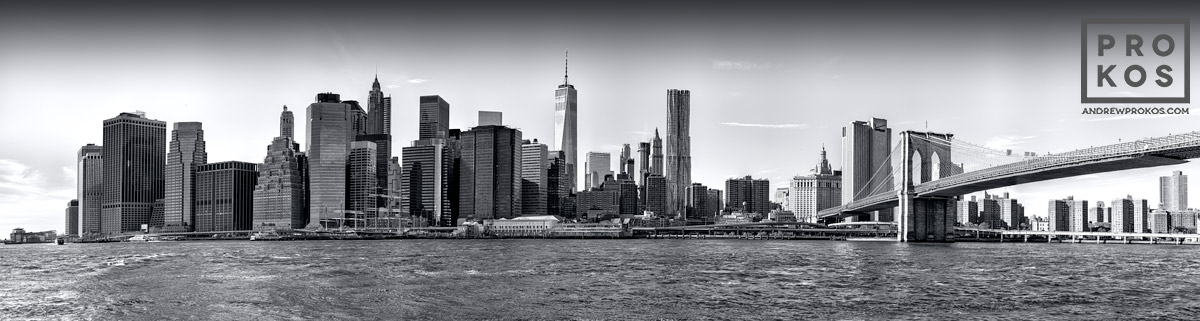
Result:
225,196
1097,214
1183,222
135,153
1058,215
1122,215
1173,192
566,127
748,195
72,218
1011,211
1078,210
656,195
819,190
598,166
1039,224
643,163
989,213
600,203
491,118
427,167
558,188
332,125
90,188
781,197
187,151
489,173
696,202
279,191
678,169
535,178
157,214
866,150
362,185
781,216
19,235
715,202
1160,221
1141,216
968,211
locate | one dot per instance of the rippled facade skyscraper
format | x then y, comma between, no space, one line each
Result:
330,131
135,152
186,152
679,149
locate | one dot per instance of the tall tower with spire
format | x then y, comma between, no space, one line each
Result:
566,122
656,155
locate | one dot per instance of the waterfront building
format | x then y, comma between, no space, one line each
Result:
781,216
968,211
225,196
362,188
89,188
19,235
1160,221
558,188
1078,213
716,202
1141,216
426,192
1172,191
679,149
535,178
819,190
135,152
989,212
566,124
1123,218
187,151
489,173
157,214
331,128
1010,211
628,190
696,202
866,160
597,167
656,195
748,195
1058,215
601,203
1039,224
71,227
279,193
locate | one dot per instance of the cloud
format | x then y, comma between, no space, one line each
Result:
417,80
738,65
1007,142
392,86
766,125
31,199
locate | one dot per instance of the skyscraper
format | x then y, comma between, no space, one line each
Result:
558,189
287,124
819,190
379,113
866,162
330,131
598,166
1011,211
656,195
186,152
279,192
426,167
656,155
1172,191
225,196
679,149
90,193
643,162
135,149
1059,214
535,170
625,157
379,131
696,203
748,195
71,227
715,202
361,185
489,173
566,122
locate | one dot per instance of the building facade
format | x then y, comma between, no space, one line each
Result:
89,188
566,124
71,226
279,192
135,149
1058,215
748,194
656,196
679,149
225,196
362,185
1172,192
535,178
187,151
598,166
866,162
331,128
819,190
696,204
489,173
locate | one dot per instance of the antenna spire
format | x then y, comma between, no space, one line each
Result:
566,65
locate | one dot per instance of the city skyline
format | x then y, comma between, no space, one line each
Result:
737,93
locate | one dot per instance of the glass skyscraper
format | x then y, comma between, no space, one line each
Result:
135,149
330,131
566,125
186,152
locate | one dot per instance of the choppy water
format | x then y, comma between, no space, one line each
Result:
597,279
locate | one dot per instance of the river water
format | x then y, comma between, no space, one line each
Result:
597,280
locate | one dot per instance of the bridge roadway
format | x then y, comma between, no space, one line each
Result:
1151,152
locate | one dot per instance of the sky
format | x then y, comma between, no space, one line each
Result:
771,83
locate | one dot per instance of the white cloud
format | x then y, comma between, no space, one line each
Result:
765,125
417,80
392,86
738,65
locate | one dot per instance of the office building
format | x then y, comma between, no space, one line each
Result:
1172,191
558,187
156,216
225,196
279,192
679,150
597,167
379,113
628,190
362,185
331,128
535,177
425,184
71,227
489,173
643,162
187,151
781,197
135,153
696,204
866,163
748,195
491,118
566,124
716,202
89,173
819,190
656,196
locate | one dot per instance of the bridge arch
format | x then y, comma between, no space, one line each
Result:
917,167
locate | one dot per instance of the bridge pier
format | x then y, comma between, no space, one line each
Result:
926,219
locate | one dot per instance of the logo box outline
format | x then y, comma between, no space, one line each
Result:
1187,70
